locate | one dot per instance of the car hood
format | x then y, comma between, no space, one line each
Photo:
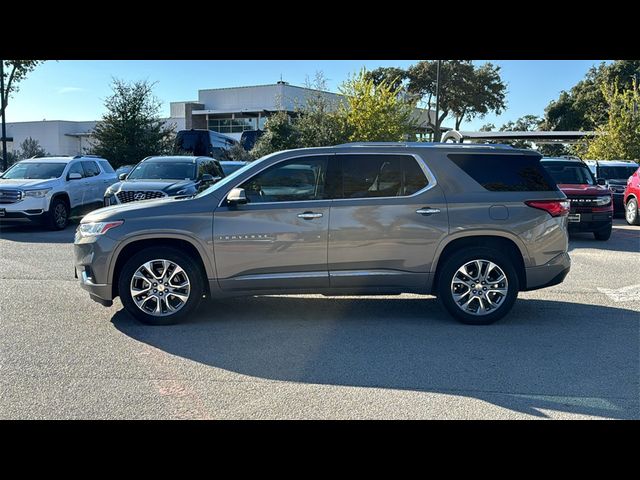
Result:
617,181
26,183
161,185
126,208
572,189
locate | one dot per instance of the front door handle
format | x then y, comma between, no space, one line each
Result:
309,215
427,211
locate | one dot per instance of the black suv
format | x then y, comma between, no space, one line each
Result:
158,177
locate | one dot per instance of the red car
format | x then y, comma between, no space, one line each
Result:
631,196
591,201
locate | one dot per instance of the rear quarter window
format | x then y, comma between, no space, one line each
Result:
505,173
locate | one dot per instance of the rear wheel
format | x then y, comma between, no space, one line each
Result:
478,285
58,214
631,212
160,286
603,234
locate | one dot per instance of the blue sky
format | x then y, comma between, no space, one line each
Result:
76,89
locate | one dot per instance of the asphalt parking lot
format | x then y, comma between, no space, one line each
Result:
570,351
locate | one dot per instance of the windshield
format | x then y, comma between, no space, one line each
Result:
570,173
616,173
192,142
163,170
36,171
231,178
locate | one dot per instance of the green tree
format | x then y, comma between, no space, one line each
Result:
585,106
374,113
31,147
465,91
131,129
317,121
393,76
527,123
279,134
619,136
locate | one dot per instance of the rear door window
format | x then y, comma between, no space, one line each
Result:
91,168
106,166
505,172
371,176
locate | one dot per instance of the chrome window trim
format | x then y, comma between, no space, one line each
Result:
431,178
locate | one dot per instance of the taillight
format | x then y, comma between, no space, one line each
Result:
555,208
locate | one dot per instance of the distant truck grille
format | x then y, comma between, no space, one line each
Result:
131,196
10,196
583,202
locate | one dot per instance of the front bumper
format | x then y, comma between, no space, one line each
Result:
549,274
591,222
27,209
91,260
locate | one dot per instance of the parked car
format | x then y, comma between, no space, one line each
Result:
615,173
124,169
230,166
471,224
158,177
51,189
591,200
249,138
203,143
632,198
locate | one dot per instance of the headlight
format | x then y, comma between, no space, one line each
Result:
37,193
97,228
602,201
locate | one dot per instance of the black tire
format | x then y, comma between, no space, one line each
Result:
185,261
58,215
604,234
460,258
631,214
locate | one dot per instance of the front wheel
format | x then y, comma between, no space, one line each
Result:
58,215
160,286
631,212
603,234
478,286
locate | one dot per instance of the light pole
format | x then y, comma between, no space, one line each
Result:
4,124
436,130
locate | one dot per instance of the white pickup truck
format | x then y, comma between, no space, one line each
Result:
51,189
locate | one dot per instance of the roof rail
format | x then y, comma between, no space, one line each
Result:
425,144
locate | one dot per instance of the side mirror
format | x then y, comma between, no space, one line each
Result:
74,176
206,178
122,176
237,197
601,181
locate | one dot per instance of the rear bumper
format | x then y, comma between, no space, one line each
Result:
549,274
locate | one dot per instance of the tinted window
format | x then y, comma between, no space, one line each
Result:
39,171
194,142
91,168
365,176
163,170
570,173
616,173
76,168
289,181
210,167
106,166
505,173
229,168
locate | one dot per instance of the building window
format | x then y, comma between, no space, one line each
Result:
232,125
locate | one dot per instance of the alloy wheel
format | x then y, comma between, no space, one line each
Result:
160,287
60,215
479,287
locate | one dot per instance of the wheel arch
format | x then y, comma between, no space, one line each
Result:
499,240
136,244
64,196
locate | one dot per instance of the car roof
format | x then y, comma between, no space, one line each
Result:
233,162
616,163
60,159
176,158
563,159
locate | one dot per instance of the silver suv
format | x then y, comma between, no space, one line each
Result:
473,225
51,189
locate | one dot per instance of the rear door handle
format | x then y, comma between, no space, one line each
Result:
427,211
309,215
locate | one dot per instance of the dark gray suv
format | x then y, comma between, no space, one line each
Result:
471,224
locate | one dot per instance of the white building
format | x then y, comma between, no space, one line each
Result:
226,110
